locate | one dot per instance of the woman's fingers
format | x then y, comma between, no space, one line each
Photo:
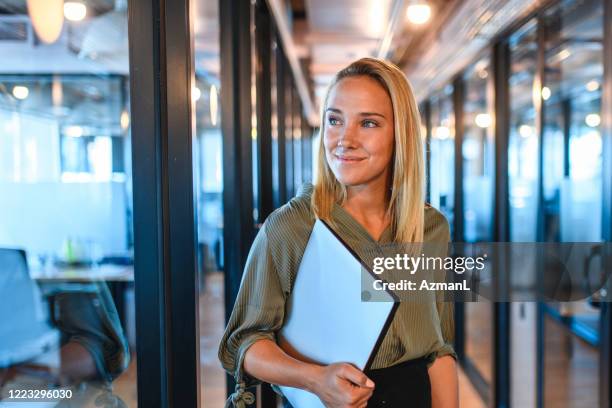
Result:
355,376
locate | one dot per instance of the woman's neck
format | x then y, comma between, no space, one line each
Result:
368,205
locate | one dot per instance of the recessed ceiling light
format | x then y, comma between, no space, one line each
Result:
592,86
592,119
483,120
47,18
74,11
526,131
20,92
195,93
418,13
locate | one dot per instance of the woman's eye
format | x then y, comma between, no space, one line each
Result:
333,121
369,123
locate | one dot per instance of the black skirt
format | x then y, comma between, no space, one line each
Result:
404,385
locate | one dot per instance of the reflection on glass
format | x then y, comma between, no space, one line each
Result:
523,139
572,139
523,161
255,153
275,124
442,149
297,142
572,190
66,226
477,152
208,189
289,136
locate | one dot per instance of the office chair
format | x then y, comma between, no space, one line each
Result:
25,332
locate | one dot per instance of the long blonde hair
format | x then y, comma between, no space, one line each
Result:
406,203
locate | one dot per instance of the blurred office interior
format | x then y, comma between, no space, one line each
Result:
143,143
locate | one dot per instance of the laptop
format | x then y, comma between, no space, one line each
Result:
326,320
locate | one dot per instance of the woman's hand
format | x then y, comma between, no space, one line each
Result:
341,385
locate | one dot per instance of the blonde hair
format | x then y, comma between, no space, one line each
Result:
406,203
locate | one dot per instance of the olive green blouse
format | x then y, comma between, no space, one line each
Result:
418,329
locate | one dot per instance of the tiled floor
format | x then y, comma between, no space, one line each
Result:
571,377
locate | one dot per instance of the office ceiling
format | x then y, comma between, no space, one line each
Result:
331,34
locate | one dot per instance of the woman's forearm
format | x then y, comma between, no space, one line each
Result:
266,361
444,383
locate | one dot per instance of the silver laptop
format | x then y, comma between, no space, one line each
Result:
327,321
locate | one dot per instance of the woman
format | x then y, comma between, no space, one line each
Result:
369,188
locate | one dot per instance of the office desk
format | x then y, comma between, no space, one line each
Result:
118,278
107,273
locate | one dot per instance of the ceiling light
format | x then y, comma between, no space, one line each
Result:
483,120
441,132
418,13
57,92
592,86
546,93
74,10
20,92
195,93
73,131
526,131
124,120
592,119
481,68
377,19
563,54
47,18
213,105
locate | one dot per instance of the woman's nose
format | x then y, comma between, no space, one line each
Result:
348,136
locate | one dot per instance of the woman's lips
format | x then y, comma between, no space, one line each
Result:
348,159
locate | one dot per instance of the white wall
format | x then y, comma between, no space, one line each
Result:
40,216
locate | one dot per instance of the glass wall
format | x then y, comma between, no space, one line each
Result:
523,138
208,192
66,241
442,150
290,136
477,153
572,190
277,163
555,166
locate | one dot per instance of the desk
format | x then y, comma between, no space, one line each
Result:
106,272
118,278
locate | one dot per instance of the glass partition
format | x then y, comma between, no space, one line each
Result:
66,241
208,192
442,148
478,179
523,159
572,191
477,152
523,139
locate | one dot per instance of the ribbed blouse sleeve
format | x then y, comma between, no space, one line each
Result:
258,313
440,233
447,327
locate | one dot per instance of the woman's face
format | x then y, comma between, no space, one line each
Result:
359,135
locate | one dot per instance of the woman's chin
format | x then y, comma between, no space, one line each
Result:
351,181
